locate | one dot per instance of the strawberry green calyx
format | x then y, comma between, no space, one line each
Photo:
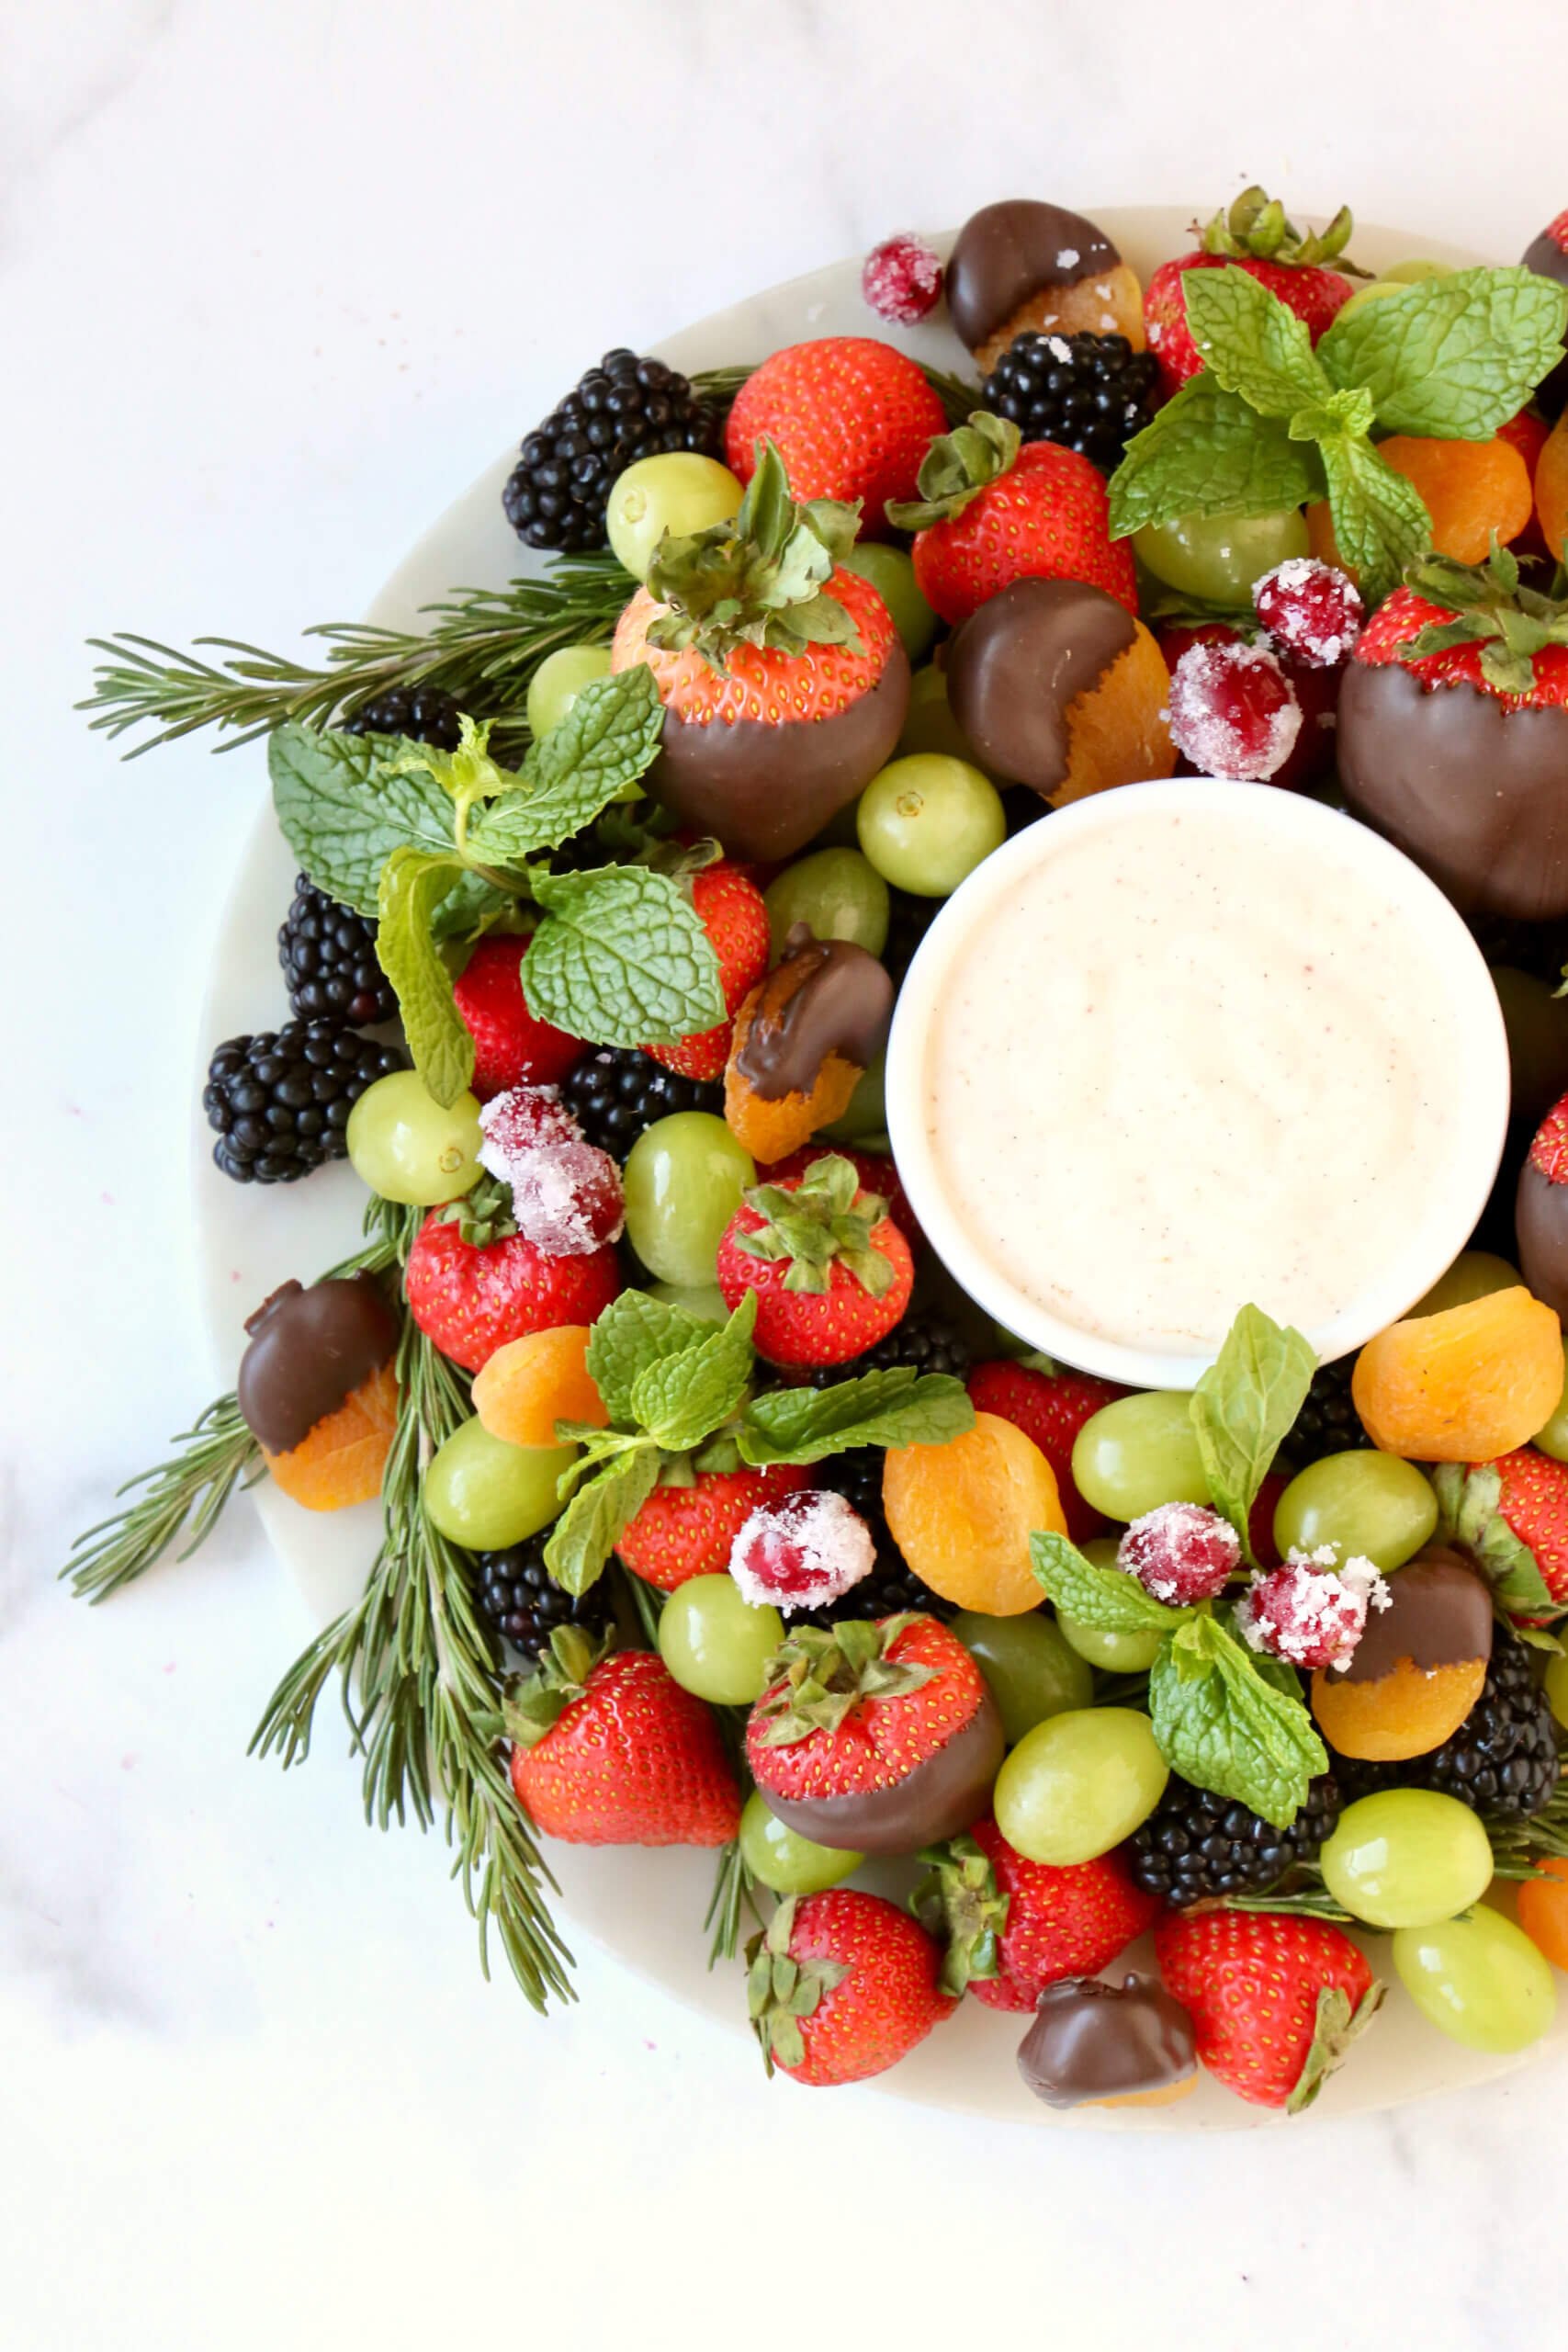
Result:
533,1704
822,1673
817,1222
481,1215
1258,227
1471,1516
781,1991
760,580
1336,2026
961,1904
956,467
1510,623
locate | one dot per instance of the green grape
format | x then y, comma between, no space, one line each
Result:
784,1861
1480,1980
1536,1026
836,893
927,821
484,1494
680,494
705,1300
929,723
1138,1453
1413,273
892,574
1378,291
865,1120
405,1146
1030,1667
1369,1505
1475,1273
1218,557
1078,1784
560,679
1112,1653
715,1643
1405,1857
1557,1687
683,1179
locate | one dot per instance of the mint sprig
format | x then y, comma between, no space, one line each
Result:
1244,1407
1112,1601
624,959
413,883
1206,452
598,754
1454,357
899,1407
1225,1726
634,1333
345,802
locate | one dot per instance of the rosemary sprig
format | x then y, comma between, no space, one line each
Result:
483,647
732,1893
959,399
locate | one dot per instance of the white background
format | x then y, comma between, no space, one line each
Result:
275,281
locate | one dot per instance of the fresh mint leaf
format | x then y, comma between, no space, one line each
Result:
413,883
605,744
634,1333
1455,356
585,1534
1380,523
1245,1405
897,1408
682,1398
1110,1600
1206,452
1252,342
344,811
622,960
1221,1725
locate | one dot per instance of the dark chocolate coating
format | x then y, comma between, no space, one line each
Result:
765,791
1017,663
1008,252
843,1006
1546,258
1476,794
1092,2041
310,1351
1540,1230
1440,1614
946,1794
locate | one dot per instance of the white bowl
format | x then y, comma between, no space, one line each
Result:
1300,832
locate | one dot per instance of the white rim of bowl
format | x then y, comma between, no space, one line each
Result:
1486,1078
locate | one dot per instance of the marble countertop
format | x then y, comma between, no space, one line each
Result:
273,284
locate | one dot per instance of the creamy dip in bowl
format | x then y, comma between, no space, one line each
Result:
1189,1044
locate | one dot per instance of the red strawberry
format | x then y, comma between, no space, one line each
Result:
511,1047
783,678
842,1985
1050,1408
877,1172
471,1296
832,1271
879,1737
685,1532
1512,1514
1541,680
851,418
1548,255
994,509
612,1752
1275,2000
1013,1927
1256,237
734,914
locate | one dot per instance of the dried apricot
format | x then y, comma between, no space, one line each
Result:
1464,1386
1544,1911
523,1390
963,1514
1471,489
1108,302
342,1459
1118,731
1552,490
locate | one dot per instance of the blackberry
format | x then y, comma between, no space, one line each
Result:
892,1584
623,409
1328,1421
423,714
929,1342
517,1598
328,954
1503,1760
1196,1845
614,1094
280,1103
908,919
1089,393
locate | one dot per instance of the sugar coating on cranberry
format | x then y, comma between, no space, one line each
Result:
802,1551
566,1195
1233,711
901,279
1311,1611
1310,610
1180,1552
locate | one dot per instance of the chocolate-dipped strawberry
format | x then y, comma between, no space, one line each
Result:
1548,257
804,1038
1058,685
1453,734
1540,1212
879,1738
783,678
1023,265
1418,1666
1093,2044
318,1390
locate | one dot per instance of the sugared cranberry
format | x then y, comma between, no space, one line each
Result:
901,279
1309,1612
1310,610
1180,1552
1233,711
802,1551
566,1195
